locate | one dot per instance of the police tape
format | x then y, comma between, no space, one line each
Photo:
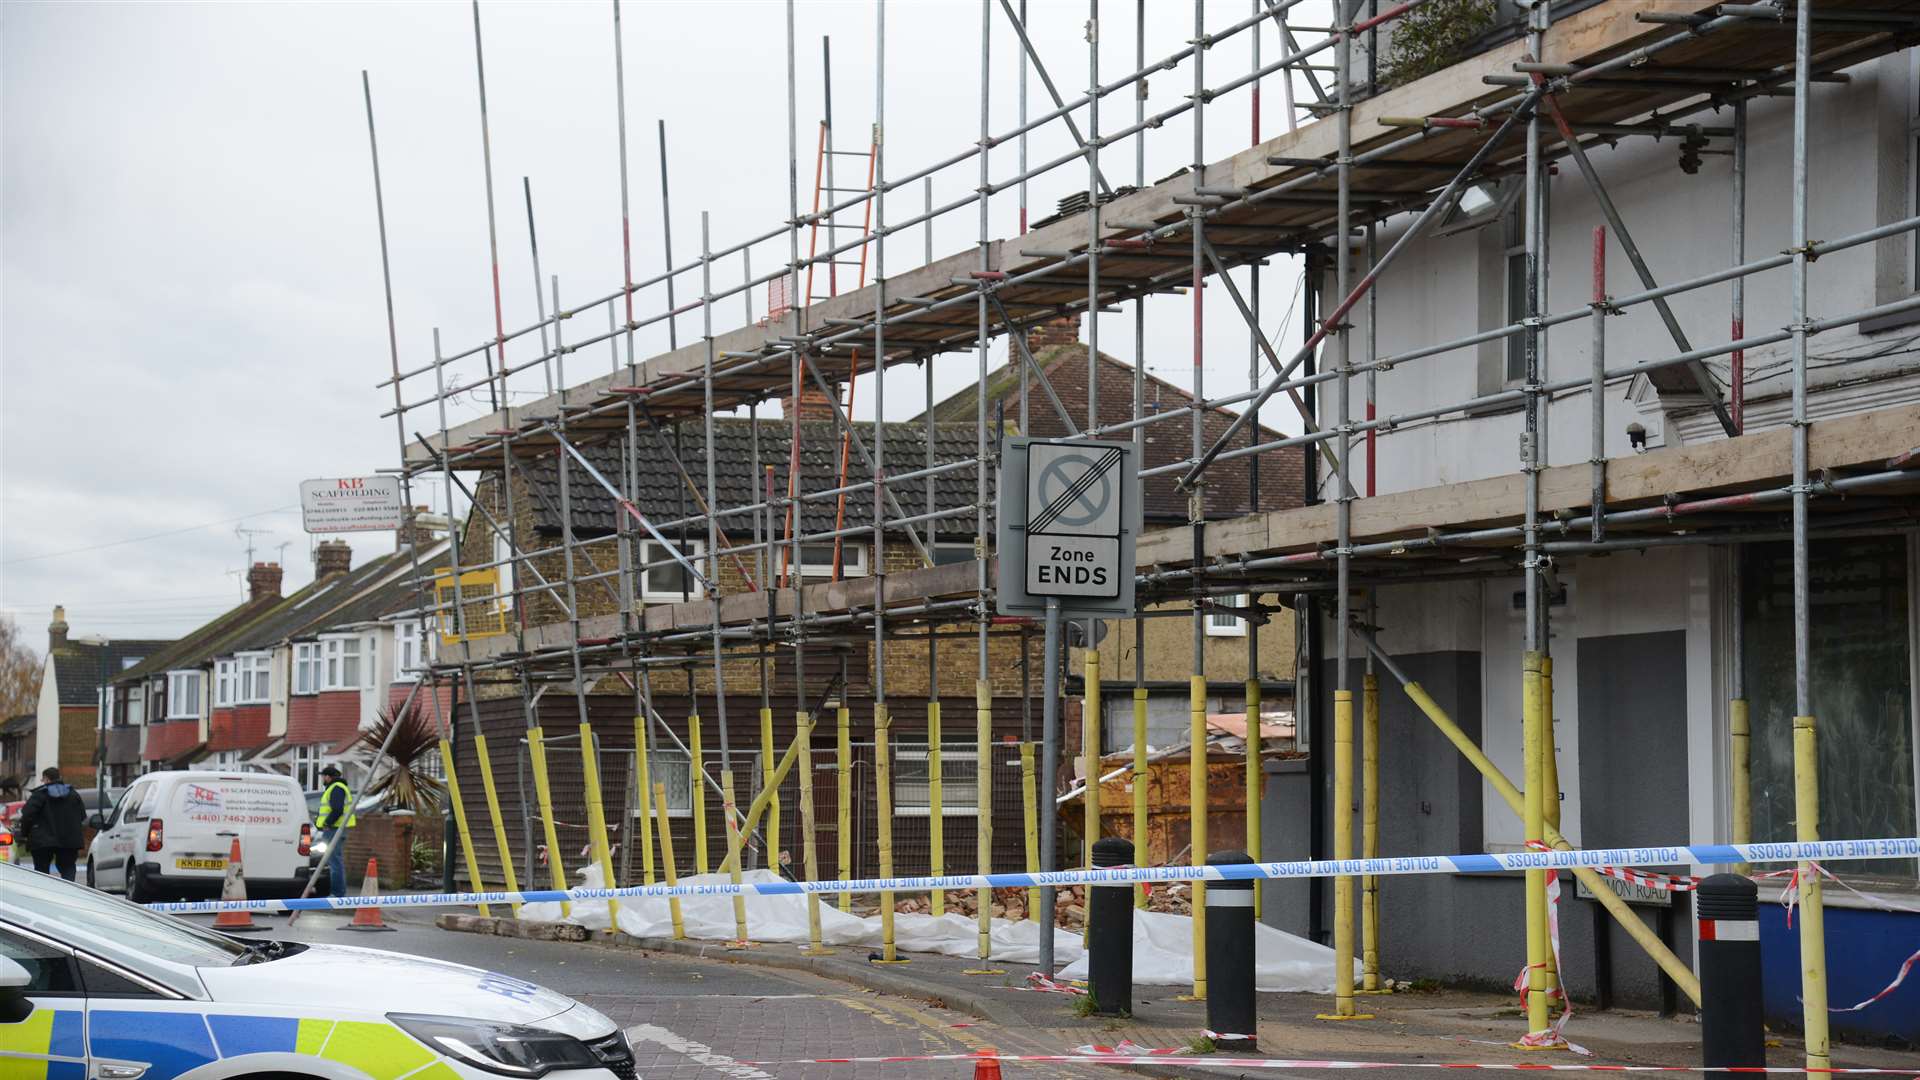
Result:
1899,847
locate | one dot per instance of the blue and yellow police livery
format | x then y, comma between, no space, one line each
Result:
94,987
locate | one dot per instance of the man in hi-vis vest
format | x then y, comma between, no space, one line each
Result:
333,821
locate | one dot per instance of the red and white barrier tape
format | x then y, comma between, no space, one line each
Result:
1790,896
1553,1036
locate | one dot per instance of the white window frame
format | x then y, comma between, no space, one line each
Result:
853,560
307,761
226,683
959,794
409,650
253,684
224,759
653,551
339,653
308,666
183,694
136,705
1220,624
1513,253
370,662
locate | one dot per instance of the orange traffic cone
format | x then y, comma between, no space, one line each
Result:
368,918
987,1067
235,888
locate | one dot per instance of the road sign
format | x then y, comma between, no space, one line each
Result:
1069,516
351,504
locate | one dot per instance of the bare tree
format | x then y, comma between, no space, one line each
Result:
19,672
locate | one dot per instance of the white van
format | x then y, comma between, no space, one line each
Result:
171,833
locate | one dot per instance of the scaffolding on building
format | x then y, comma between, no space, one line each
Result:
1367,158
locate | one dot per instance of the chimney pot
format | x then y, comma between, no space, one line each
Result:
263,581
57,629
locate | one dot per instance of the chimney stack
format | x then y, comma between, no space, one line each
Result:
1064,330
57,629
814,405
330,557
419,527
263,581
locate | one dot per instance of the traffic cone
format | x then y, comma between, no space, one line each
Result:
235,888
987,1066
368,918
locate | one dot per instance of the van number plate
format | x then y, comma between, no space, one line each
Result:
199,864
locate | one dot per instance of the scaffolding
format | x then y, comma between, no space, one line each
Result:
1355,158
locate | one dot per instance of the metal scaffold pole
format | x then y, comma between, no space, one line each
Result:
982,684
1139,437
1091,719
1197,518
1806,755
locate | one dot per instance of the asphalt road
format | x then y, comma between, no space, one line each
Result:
694,1019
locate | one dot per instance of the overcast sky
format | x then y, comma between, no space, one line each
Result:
191,319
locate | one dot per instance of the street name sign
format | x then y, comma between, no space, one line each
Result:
351,504
1069,515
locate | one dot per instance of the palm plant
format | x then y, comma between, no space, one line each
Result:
401,740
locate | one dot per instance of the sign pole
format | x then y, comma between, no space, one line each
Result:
1049,769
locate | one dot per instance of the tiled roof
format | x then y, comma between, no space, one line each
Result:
313,608
663,495
81,667
394,592
202,644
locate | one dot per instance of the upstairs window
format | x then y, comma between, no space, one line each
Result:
226,683
816,560
254,678
307,665
183,695
342,663
409,651
136,706
669,582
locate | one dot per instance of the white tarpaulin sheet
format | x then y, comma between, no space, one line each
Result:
1162,943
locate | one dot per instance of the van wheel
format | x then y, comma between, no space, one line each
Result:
138,891
92,879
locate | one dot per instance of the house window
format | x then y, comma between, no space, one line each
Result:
673,770
503,554
1226,623
307,667
341,669
253,674
1514,269
959,775
370,666
226,683
409,651
944,554
136,706
816,560
668,582
306,766
183,695
224,759
1861,595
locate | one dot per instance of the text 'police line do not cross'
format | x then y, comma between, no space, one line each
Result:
1069,517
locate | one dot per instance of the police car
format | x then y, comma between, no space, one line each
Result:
92,986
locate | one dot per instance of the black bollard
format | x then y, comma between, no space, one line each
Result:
1110,933
1731,1027
1230,993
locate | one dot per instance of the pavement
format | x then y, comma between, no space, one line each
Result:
703,1009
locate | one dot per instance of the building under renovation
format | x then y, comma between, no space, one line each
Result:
1600,429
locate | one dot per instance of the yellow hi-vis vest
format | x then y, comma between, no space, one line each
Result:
326,807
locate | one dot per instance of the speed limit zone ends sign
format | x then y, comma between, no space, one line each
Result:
1069,516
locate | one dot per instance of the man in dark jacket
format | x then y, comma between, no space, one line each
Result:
54,822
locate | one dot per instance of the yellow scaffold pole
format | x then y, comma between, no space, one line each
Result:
507,872
766,781
733,852
843,789
698,784
1029,816
1254,779
1197,822
1629,920
983,817
1090,724
936,827
1343,1007
666,858
597,822
883,786
466,838
543,790
809,849
1549,795
744,826
1370,834
1534,813
1741,779
1140,789
645,777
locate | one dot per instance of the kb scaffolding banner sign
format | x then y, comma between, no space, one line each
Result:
1069,516
351,504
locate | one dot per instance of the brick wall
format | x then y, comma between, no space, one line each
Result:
171,738
240,728
330,717
388,838
78,741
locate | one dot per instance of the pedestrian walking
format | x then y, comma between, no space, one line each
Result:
334,819
53,824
